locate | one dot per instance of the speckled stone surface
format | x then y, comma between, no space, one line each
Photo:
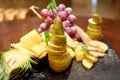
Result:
107,68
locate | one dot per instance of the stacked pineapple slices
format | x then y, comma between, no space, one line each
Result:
59,58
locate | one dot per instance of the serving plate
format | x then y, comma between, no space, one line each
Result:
107,68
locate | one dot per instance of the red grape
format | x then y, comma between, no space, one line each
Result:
44,13
65,14
77,37
69,31
39,30
49,20
61,7
43,26
72,19
52,14
62,15
66,23
74,30
68,10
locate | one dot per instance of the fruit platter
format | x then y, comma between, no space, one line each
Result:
59,49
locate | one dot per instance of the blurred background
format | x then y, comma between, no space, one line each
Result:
106,8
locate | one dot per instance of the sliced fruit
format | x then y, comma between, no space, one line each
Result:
59,59
91,58
60,65
55,52
95,35
43,55
94,29
83,35
70,42
58,40
91,48
87,64
72,53
97,54
102,47
55,47
26,51
56,28
40,48
79,54
30,39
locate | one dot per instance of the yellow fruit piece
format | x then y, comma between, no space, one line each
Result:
71,52
97,54
30,39
91,58
40,48
70,41
79,53
87,63
43,55
23,50
85,38
56,47
102,47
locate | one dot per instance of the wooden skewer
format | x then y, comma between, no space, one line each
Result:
33,9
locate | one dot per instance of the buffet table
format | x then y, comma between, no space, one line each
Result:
11,31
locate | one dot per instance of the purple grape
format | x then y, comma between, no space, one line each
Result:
39,30
43,26
62,15
68,10
66,23
61,7
77,37
74,30
52,14
72,19
49,20
44,13
69,31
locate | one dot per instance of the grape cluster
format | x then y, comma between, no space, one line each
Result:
65,14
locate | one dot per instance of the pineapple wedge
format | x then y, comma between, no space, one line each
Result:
79,54
30,39
40,49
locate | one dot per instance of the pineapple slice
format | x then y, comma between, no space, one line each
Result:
72,53
30,39
79,53
40,49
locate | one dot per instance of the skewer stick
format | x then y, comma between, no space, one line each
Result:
33,9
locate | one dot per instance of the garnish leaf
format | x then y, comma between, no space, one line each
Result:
85,50
47,36
52,5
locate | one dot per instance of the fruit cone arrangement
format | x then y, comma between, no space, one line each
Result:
94,29
58,57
